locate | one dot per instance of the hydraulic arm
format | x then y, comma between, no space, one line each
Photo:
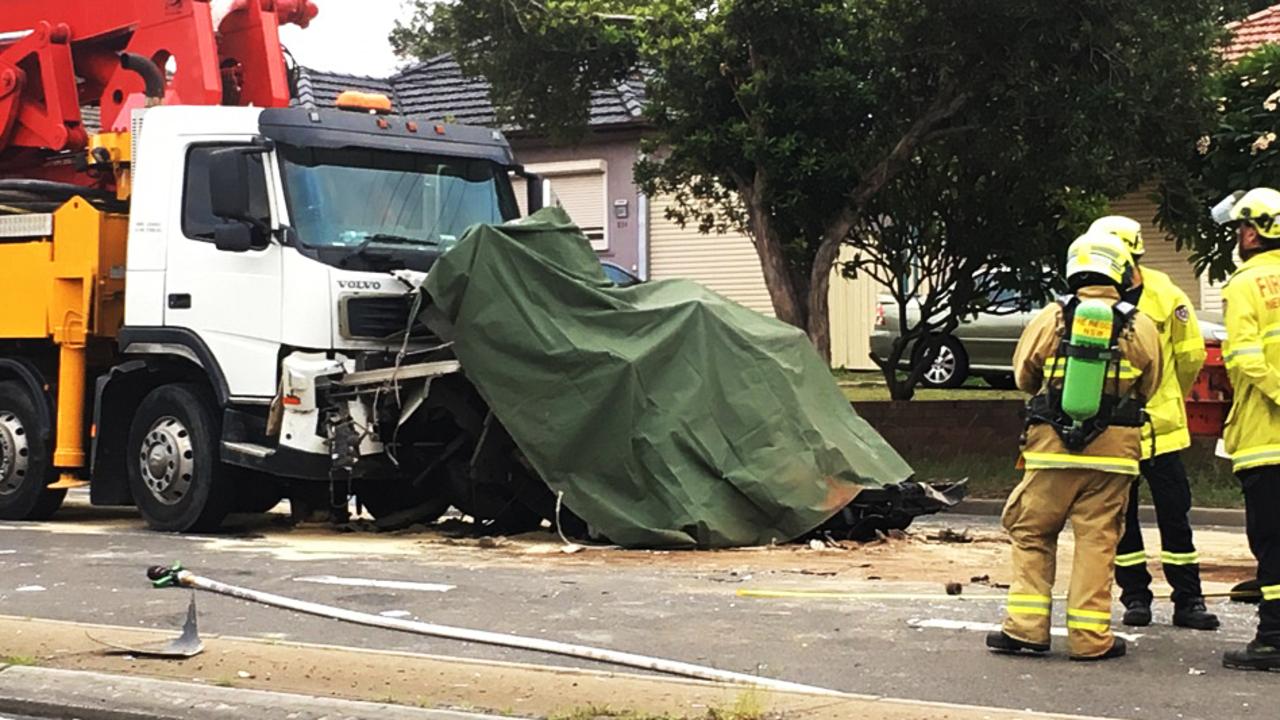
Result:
57,56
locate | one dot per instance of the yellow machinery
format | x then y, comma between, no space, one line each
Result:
62,279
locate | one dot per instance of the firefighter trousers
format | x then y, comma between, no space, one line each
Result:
1094,501
1171,493
1262,523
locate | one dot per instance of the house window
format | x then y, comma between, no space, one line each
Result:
581,188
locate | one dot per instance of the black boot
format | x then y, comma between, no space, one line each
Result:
1116,650
1192,614
1249,591
999,642
1137,613
1255,656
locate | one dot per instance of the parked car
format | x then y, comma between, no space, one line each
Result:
619,276
982,346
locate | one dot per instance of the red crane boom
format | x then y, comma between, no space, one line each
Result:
59,55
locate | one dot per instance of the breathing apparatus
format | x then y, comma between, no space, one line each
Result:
1088,353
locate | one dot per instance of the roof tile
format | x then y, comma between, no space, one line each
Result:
436,89
1251,33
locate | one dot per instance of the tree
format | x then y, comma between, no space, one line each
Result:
795,119
1237,151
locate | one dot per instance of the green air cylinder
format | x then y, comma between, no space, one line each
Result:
1082,384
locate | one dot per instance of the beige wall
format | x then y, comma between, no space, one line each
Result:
1162,252
727,263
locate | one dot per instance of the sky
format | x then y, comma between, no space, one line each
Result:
348,36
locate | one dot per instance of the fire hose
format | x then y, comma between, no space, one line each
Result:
177,576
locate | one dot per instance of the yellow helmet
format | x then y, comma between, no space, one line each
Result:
1099,254
1260,207
1127,229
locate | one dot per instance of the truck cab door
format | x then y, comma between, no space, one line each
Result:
230,298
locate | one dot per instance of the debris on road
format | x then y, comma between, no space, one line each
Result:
186,645
954,588
947,535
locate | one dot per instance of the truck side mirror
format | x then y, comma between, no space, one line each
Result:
229,184
233,237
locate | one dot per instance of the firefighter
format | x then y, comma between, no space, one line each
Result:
1089,360
1163,439
1251,299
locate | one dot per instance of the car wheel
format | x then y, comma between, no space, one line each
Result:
25,467
174,471
947,366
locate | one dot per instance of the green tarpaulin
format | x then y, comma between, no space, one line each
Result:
667,415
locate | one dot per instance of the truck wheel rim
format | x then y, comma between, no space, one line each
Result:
14,453
167,460
942,367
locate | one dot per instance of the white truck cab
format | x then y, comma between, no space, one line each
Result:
276,253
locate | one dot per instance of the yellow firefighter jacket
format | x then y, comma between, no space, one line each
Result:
1116,450
1251,299
1182,354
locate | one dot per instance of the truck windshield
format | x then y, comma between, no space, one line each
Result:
349,198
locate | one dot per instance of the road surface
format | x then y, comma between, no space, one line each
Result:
900,640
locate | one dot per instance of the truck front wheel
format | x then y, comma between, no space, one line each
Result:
26,469
177,480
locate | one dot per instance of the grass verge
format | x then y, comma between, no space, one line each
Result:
994,475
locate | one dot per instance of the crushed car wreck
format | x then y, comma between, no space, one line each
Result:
530,387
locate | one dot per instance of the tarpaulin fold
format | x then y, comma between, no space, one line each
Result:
667,415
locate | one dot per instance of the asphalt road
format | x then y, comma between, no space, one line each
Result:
61,571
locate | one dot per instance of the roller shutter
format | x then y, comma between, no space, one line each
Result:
1162,254
726,263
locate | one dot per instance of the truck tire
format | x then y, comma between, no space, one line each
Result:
26,467
174,472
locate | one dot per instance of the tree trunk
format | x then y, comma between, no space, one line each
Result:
819,301
787,303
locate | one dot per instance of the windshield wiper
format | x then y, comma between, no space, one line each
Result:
362,250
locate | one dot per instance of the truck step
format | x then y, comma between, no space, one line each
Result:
245,449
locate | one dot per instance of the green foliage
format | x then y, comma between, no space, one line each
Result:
1239,152
963,133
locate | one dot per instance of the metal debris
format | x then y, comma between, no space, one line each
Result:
186,645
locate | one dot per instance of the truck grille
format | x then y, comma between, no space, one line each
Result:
380,318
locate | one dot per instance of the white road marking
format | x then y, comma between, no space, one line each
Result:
943,624
395,613
384,584
31,588
8,552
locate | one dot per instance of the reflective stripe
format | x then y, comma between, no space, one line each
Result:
1029,604
1256,456
1230,357
1271,334
1271,592
1088,620
1055,369
1059,461
1132,559
1187,558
